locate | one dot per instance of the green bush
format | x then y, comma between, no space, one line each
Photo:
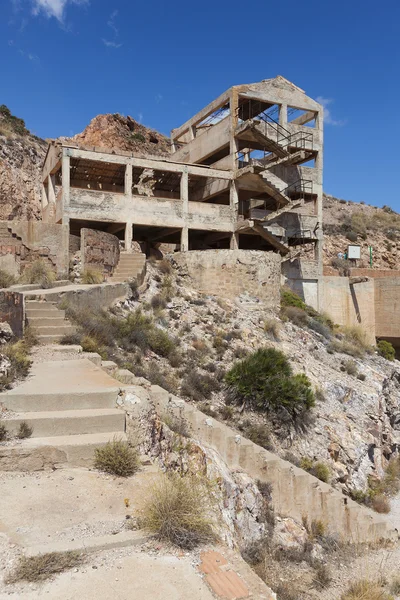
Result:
160,342
289,298
117,457
197,386
264,381
319,469
386,350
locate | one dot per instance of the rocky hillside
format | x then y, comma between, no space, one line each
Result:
348,222
22,155
21,158
122,133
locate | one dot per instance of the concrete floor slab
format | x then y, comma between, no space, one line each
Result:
135,577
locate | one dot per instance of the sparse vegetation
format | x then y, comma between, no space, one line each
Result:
24,431
92,276
11,125
318,469
199,386
366,590
264,381
18,355
117,458
176,424
3,432
43,566
178,509
6,279
39,272
258,434
272,328
386,350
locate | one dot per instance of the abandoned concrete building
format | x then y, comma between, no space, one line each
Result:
244,173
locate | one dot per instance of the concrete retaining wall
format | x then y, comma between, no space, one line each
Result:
100,250
229,273
295,493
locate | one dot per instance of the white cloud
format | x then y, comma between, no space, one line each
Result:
54,8
328,119
110,44
111,23
140,117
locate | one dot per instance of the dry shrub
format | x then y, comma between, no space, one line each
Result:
117,457
380,504
395,587
296,315
43,566
92,276
3,432
24,431
322,576
356,335
176,424
365,590
272,328
40,273
164,266
6,279
177,510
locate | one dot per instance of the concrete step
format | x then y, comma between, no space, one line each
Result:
48,339
55,321
60,330
44,312
57,452
69,422
59,400
39,304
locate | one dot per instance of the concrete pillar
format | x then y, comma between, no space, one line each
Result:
128,181
52,191
66,178
283,115
128,237
192,132
185,210
185,239
45,199
234,242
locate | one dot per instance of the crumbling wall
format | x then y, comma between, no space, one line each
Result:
12,311
100,250
229,273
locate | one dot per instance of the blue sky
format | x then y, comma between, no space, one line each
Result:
65,61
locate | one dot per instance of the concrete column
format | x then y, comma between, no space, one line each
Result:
66,178
128,237
185,211
233,145
192,132
128,181
185,239
45,199
52,191
283,115
234,242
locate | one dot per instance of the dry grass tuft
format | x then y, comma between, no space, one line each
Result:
177,510
24,431
92,276
365,590
117,458
39,568
40,273
176,424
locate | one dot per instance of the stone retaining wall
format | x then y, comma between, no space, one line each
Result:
100,250
229,273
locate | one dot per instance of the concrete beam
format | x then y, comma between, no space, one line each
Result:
146,163
305,118
200,116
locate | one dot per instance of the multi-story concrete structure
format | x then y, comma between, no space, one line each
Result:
245,172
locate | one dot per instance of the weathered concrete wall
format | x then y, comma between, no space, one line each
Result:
43,240
12,311
295,493
74,243
350,304
100,250
302,276
228,273
387,307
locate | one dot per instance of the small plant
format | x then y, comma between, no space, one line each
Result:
24,431
6,279
177,510
318,528
43,566
350,367
290,298
272,328
3,432
176,424
160,342
366,590
158,302
258,434
164,266
138,137
386,350
380,503
318,469
92,276
40,273
197,386
296,315
71,339
322,576
226,412
117,458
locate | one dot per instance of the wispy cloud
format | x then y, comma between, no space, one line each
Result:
159,98
26,54
54,8
140,117
328,118
113,43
